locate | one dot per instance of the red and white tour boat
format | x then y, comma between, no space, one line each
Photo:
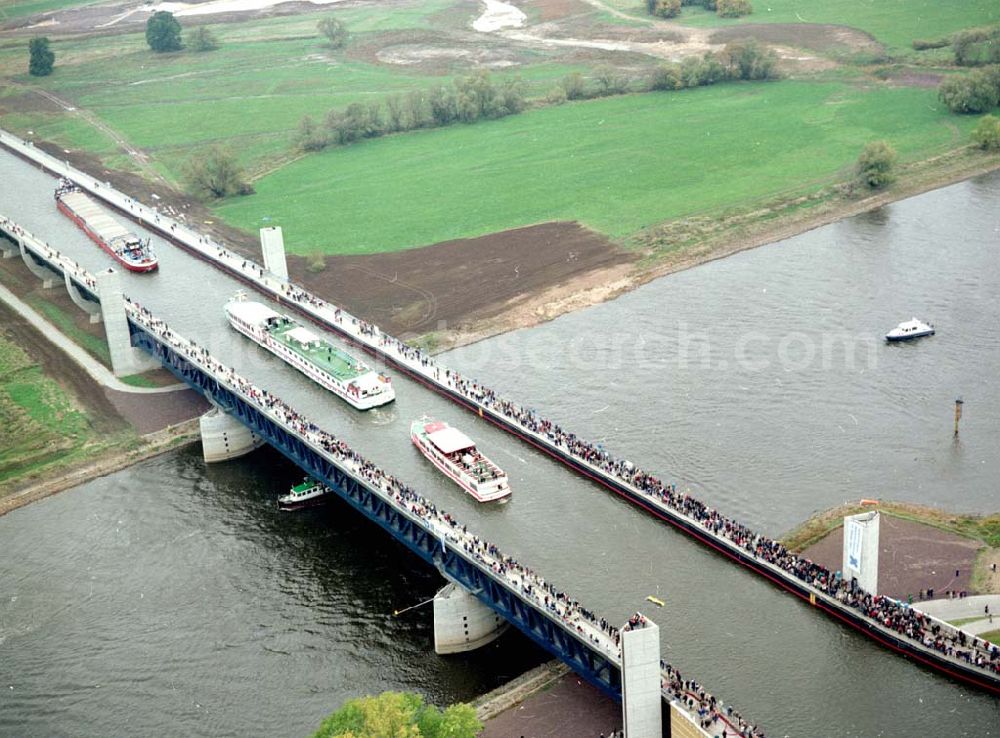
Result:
456,455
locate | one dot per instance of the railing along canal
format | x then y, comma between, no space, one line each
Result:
568,614
894,624
51,256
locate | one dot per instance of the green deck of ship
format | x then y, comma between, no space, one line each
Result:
325,356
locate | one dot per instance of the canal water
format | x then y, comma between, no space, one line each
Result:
174,597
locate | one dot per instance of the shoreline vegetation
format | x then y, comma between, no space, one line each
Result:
111,459
985,529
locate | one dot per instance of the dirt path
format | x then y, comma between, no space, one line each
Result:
138,157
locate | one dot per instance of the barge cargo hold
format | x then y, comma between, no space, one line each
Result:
122,245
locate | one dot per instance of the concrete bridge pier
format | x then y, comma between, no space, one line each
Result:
8,246
272,245
45,274
463,623
125,359
642,712
224,438
93,309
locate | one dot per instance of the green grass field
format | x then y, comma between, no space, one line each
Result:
893,22
19,8
251,94
39,423
616,164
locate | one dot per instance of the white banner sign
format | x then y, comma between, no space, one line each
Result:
854,534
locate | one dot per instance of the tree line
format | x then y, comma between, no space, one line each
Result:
466,100
975,92
723,8
740,60
971,48
479,97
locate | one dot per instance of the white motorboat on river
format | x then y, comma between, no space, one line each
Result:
910,329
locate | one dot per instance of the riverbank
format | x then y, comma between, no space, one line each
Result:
921,547
58,479
548,701
67,419
683,244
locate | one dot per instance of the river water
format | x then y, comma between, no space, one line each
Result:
172,597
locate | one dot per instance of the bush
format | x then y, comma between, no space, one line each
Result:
924,44
163,32
977,46
664,8
610,82
574,86
875,165
986,134
749,60
733,8
556,96
399,714
41,58
202,39
666,77
315,263
311,137
977,92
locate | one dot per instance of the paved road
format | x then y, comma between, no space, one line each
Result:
967,607
97,371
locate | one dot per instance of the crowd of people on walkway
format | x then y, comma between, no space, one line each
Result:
443,526
888,613
77,273
897,616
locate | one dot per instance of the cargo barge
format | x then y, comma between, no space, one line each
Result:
121,244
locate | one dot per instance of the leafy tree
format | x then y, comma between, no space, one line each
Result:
310,136
215,175
334,30
41,58
664,8
749,60
163,32
691,72
986,134
202,39
398,715
971,93
875,165
510,97
977,46
417,110
556,96
733,8
443,106
574,86
610,82
475,97
666,77
395,114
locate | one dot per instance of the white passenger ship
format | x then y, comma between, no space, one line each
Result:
456,455
321,361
